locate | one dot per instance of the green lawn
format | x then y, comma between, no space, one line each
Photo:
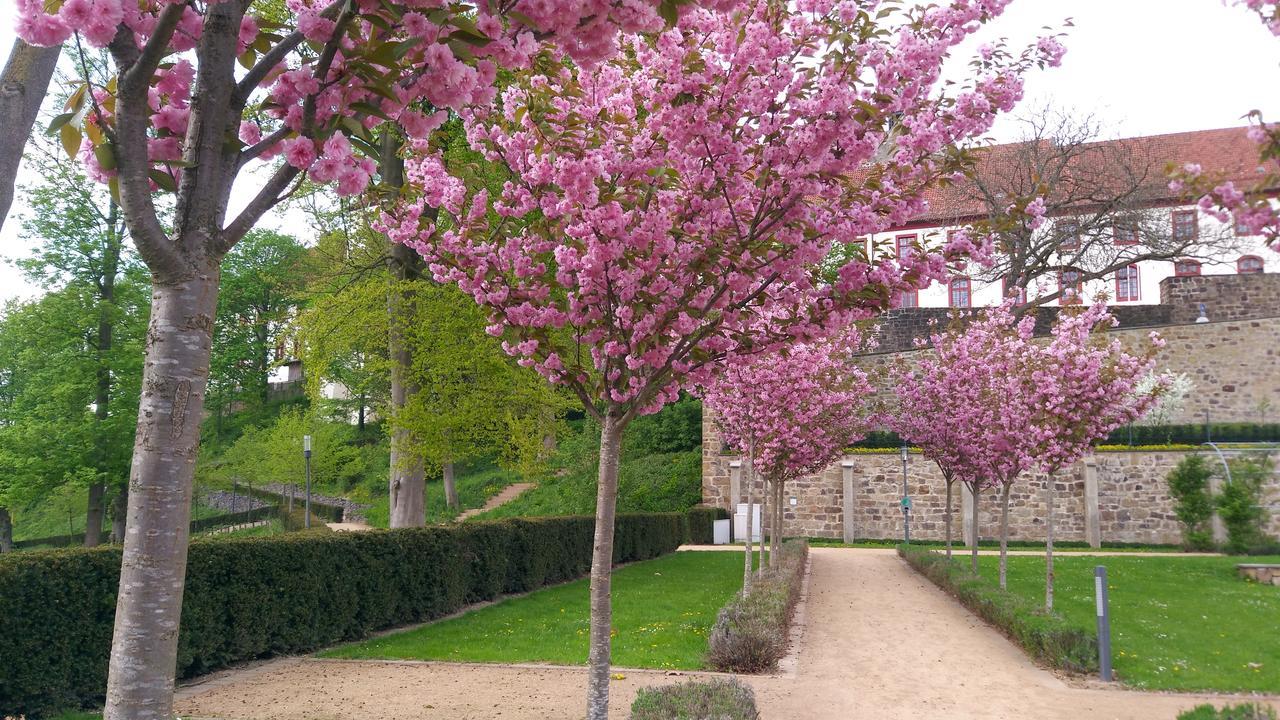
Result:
475,481
662,612
1178,623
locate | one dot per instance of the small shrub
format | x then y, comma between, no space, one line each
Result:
1243,711
719,699
750,634
1047,637
1189,488
1239,504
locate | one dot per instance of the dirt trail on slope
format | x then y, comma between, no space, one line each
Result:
509,493
881,643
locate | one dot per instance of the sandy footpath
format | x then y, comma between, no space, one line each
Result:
881,643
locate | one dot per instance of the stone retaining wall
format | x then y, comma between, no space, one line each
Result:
1109,497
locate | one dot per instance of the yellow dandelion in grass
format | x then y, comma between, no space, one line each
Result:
619,676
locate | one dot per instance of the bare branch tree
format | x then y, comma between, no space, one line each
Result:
1107,202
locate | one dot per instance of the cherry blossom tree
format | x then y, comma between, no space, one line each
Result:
317,80
1081,387
664,201
791,412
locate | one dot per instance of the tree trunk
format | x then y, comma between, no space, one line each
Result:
766,533
23,85
1004,534
946,517
6,531
94,515
408,484
976,491
119,514
1048,546
450,488
748,472
602,570
776,536
153,567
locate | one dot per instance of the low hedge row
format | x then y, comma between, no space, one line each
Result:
1184,434
1047,637
750,634
702,524
255,597
715,699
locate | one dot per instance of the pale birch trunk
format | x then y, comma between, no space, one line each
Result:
450,487
408,480
23,85
1004,534
1048,545
602,570
153,567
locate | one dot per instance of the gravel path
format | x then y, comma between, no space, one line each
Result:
881,643
508,493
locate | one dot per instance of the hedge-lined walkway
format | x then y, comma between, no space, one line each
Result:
881,643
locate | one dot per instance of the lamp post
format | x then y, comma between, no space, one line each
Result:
306,456
904,452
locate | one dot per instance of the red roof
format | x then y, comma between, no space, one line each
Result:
1226,152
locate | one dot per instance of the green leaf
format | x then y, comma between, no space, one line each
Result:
56,124
370,109
164,180
247,58
106,156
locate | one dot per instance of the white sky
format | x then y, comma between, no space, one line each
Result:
1142,67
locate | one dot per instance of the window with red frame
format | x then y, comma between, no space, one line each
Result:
907,299
1008,289
961,292
1249,264
1069,286
1069,234
1128,289
1186,225
1242,230
1186,268
904,245
1125,235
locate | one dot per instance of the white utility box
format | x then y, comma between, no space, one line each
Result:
740,523
720,532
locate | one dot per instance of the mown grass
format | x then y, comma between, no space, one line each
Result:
1178,623
476,482
663,610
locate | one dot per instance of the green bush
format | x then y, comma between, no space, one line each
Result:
1243,711
718,699
1047,637
1193,504
256,597
750,634
675,428
702,524
1240,503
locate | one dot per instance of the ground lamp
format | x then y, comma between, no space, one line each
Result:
904,451
306,457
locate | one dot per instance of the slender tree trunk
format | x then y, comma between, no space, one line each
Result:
153,567
95,514
23,85
946,517
777,535
450,488
408,483
1004,534
119,514
6,531
602,570
976,491
1048,544
748,472
766,516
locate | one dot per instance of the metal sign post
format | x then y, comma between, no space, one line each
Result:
905,452
306,456
1104,622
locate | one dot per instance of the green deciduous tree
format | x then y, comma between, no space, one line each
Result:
1193,503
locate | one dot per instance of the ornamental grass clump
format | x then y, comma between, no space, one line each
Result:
718,699
750,634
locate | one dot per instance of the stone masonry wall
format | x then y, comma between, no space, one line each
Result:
1226,297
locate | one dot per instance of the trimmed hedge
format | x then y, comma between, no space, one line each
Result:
197,526
750,634
1243,711
702,524
255,597
715,699
1048,638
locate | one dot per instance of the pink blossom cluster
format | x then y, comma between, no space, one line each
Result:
663,203
795,409
989,401
1268,11
408,61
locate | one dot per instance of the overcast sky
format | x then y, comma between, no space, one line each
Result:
1142,67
